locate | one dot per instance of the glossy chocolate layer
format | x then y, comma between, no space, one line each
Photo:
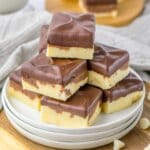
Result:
83,103
99,2
128,85
107,60
15,83
72,30
43,38
53,71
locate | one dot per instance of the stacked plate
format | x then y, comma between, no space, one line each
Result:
107,128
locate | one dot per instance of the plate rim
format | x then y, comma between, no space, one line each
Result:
69,145
58,128
63,135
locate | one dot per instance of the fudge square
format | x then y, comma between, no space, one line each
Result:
122,95
109,66
71,35
56,78
15,90
80,110
100,7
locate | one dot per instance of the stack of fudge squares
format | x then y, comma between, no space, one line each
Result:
73,79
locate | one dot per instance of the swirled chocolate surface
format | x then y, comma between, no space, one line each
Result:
54,71
108,60
72,30
128,85
82,103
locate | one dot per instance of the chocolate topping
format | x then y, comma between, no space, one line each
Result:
128,85
72,30
102,2
82,103
54,71
43,38
16,76
107,60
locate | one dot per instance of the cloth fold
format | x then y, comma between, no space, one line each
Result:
19,37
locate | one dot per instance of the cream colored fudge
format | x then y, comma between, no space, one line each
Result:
123,95
99,8
69,52
15,90
104,82
56,78
71,35
109,66
81,110
121,103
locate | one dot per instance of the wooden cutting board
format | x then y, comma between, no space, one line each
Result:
10,139
128,10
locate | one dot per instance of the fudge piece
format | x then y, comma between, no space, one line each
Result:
15,90
100,7
71,35
57,78
109,66
79,111
124,94
43,38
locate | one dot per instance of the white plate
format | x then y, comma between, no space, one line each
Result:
104,122
69,145
68,137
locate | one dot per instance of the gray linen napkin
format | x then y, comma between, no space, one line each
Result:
19,35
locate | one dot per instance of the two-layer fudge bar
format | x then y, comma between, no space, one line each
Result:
15,90
100,7
56,78
71,35
81,110
43,38
109,66
122,95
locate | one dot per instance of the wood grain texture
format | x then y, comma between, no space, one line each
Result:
137,139
128,10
